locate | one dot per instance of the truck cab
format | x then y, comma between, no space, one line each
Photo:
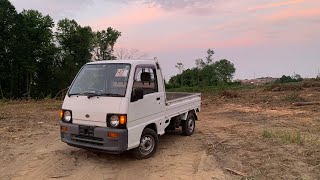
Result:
119,105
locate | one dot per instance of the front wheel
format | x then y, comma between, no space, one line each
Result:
148,144
188,125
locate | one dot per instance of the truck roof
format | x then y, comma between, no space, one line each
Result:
130,61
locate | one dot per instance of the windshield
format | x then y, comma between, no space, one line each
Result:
101,79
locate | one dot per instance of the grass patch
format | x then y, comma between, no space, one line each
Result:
284,137
266,133
293,97
275,87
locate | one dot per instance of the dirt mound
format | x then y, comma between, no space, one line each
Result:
285,87
229,94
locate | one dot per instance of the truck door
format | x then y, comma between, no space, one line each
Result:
148,110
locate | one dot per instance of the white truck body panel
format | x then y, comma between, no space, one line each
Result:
97,107
182,105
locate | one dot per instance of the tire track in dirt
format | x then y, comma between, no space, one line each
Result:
178,157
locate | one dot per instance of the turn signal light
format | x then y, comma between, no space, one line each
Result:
61,114
113,135
63,128
123,119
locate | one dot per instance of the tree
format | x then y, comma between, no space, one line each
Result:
224,70
297,77
288,79
124,53
34,61
35,39
180,67
200,63
8,21
104,44
76,44
209,58
207,73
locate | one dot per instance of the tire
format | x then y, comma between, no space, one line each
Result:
189,125
148,144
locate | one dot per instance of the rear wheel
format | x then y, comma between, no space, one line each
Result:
188,125
148,144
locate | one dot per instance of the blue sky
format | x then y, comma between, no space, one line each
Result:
270,37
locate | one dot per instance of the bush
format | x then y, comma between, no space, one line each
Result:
289,79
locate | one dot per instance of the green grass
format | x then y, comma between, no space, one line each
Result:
266,133
293,97
284,136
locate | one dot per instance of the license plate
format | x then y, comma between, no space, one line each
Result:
86,130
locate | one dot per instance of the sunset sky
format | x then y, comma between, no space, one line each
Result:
268,37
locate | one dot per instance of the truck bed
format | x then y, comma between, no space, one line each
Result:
171,96
178,103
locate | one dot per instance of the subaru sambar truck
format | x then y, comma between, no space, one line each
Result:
121,105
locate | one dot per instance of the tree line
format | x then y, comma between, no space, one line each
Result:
206,73
39,58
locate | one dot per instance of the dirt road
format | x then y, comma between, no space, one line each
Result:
244,137
33,150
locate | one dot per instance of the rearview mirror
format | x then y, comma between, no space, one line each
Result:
138,94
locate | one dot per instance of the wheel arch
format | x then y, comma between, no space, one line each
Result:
152,126
185,115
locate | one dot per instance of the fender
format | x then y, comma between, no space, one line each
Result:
185,115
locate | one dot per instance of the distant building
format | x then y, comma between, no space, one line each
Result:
257,81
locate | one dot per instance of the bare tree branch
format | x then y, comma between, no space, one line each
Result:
125,53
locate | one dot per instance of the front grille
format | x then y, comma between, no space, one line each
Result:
87,139
86,130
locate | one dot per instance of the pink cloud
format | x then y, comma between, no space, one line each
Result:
133,17
188,40
293,13
276,4
245,30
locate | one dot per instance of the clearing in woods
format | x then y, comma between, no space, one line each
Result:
252,134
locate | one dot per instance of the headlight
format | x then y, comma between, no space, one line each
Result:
117,121
67,116
114,120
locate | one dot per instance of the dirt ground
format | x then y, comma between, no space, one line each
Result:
257,134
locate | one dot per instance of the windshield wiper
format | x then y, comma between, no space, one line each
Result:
112,95
74,94
90,95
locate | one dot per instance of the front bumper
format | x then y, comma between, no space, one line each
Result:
97,139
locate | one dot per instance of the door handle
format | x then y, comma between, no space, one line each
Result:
158,98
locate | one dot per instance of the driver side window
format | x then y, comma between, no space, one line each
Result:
146,80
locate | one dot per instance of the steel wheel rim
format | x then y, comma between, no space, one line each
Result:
190,125
147,145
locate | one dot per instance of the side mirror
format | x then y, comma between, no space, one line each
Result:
138,94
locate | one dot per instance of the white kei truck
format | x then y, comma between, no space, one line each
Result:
119,105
